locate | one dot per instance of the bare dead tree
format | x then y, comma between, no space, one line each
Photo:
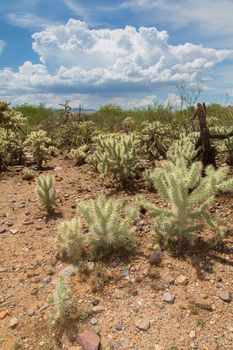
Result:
189,94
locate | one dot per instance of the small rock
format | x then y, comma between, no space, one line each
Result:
88,340
13,231
93,321
143,324
95,302
156,257
97,309
169,298
183,280
13,322
157,347
30,312
2,230
90,266
192,335
225,296
68,271
3,314
213,346
200,303
169,280
118,326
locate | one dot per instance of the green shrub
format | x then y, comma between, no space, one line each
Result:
46,192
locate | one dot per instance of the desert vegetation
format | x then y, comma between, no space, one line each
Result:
118,204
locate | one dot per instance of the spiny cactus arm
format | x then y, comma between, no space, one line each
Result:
194,175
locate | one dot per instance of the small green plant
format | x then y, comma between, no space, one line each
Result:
200,322
100,277
62,301
27,174
46,192
41,146
154,273
78,155
71,242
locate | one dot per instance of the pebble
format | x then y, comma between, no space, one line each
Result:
143,324
192,335
13,322
169,298
118,326
95,302
3,314
213,346
156,257
183,280
225,296
88,340
2,230
30,312
93,321
68,271
169,280
13,231
97,309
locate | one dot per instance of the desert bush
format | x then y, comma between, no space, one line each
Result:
35,115
46,192
189,195
27,174
79,155
41,146
107,233
118,155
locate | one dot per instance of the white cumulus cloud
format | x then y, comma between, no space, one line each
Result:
78,60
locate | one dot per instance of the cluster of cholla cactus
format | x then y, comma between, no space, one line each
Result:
11,134
41,146
155,138
46,192
118,155
188,194
79,154
106,232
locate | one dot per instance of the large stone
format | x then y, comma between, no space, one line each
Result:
143,324
200,303
88,340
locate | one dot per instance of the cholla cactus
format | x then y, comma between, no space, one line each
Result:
46,192
92,160
155,138
229,146
27,174
148,179
118,155
11,149
189,195
79,155
184,148
62,301
107,233
10,119
40,143
86,130
71,242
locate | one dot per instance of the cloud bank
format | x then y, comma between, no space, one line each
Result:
75,59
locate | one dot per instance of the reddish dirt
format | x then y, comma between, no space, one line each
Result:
28,257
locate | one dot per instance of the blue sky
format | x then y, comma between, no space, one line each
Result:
127,52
